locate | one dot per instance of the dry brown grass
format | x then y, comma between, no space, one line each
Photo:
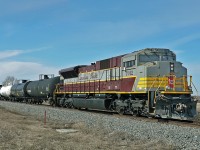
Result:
18,132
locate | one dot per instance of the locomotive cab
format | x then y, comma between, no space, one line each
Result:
165,81
145,82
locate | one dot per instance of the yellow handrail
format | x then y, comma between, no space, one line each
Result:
152,84
160,83
195,88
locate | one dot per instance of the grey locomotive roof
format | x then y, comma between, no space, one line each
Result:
150,50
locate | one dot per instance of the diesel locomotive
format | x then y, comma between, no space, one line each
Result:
148,82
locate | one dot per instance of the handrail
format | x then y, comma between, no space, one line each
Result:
160,83
152,84
102,75
195,88
150,89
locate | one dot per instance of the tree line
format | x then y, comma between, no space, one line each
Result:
9,80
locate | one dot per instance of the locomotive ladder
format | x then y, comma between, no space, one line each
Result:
151,98
153,94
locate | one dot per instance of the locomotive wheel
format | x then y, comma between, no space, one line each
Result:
70,105
120,110
52,103
40,103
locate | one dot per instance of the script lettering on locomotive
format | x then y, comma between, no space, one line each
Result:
83,77
94,75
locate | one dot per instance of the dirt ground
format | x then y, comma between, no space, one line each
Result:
20,132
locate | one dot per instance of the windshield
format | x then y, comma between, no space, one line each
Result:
149,57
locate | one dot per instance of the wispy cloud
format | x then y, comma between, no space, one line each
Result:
10,53
38,49
184,40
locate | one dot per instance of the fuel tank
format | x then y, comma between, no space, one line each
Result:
42,88
100,104
5,91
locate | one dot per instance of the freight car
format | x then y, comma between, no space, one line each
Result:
0,92
42,89
18,91
5,92
31,91
148,82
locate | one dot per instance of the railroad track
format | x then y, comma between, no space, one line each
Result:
193,123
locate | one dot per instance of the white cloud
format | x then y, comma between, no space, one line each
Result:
25,70
10,53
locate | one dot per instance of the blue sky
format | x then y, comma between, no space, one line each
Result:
44,36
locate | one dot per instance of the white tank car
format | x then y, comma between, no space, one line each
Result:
5,91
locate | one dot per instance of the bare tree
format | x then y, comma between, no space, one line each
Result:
10,80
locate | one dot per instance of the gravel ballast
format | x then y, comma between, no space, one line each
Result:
178,136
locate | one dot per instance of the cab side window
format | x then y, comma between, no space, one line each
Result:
128,64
